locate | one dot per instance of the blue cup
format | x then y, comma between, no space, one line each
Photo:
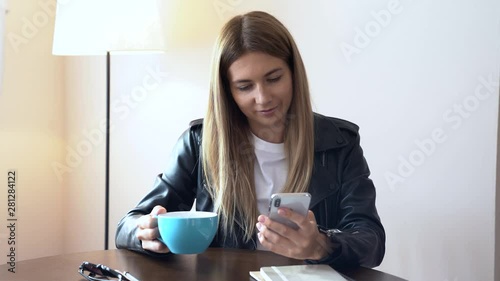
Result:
187,232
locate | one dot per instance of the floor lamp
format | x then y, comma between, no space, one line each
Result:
96,27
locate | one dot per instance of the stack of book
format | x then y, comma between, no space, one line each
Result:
316,272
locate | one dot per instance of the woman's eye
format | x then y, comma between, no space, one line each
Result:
274,79
244,88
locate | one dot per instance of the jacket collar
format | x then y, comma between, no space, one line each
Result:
324,141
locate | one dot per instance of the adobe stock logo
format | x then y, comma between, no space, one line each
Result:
454,118
223,6
32,26
122,107
364,37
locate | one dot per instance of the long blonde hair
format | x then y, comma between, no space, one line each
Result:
228,156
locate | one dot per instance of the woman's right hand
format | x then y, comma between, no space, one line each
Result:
148,232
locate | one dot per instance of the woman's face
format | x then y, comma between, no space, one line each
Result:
261,86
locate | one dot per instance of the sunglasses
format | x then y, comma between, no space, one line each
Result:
100,272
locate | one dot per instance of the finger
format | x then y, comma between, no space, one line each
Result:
155,246
310,224
310,217
275,248
148,234
276,232
297,218
147,222
273,225
150,221
158,210
270,236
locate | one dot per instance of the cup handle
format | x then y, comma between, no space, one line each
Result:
159,237
161,240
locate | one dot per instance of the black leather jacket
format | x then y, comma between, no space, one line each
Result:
343,196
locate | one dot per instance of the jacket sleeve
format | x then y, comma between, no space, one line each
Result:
362,237
175,189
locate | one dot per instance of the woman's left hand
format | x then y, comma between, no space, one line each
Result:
304,243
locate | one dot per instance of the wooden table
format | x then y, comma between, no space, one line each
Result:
214,264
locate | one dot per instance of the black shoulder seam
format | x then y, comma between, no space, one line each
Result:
196,122
339,123
344,124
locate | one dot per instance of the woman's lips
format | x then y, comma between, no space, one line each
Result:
268,112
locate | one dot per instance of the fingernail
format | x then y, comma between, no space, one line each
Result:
282,212
261,219
259,235
258,225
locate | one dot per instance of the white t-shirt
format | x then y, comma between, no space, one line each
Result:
270,170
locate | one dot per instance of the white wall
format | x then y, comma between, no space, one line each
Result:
146,130
84,162
430,57
31,134
402,86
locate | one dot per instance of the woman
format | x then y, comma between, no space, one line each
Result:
259,137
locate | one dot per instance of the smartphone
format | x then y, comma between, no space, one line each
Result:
297,202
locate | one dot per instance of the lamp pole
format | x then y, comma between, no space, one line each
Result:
108,126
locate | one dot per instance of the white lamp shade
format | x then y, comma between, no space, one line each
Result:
94,27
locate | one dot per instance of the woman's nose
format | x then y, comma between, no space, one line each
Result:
262,96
